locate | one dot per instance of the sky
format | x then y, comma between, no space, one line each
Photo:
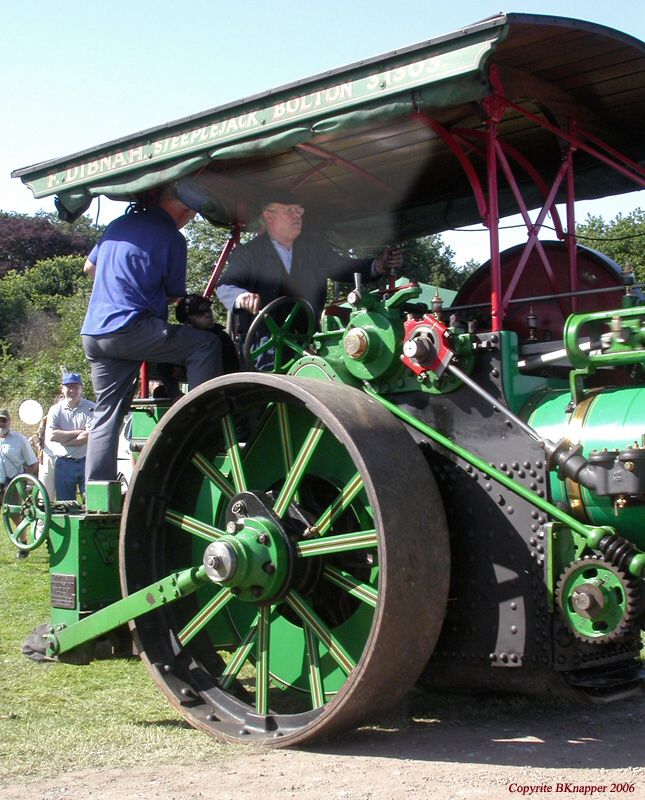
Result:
79,73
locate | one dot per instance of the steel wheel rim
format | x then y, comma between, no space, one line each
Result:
337,664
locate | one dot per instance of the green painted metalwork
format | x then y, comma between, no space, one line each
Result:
26,512
383,335
65,638
297,470
195,526
609,419
262,560
103,497
286,341
592,535
206,614
610,610
83,565
521,388
563,547
622,332
335,647
357,540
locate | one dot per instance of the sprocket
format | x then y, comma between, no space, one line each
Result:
599,601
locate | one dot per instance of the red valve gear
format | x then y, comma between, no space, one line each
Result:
435,336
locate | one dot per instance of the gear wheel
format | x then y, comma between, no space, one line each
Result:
598,601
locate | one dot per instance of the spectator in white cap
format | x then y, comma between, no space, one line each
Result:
68,424
16,454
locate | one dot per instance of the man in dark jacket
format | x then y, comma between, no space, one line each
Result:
281,263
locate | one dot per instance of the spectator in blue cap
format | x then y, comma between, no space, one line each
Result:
68,423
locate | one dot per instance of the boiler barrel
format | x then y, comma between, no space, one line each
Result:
611,419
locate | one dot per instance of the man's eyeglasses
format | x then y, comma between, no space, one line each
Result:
292,211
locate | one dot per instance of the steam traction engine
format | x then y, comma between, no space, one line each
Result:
449,493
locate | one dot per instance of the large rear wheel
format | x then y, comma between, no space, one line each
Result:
321,530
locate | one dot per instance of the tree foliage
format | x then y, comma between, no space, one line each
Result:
621,238
430,260
41,312
24,240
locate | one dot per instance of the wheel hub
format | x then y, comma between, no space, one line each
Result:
252,558
588,601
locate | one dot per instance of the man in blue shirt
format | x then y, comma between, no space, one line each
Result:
139,267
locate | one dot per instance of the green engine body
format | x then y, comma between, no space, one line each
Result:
607,422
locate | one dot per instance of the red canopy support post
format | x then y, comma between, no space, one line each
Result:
494,107
572,250
143,377
218,268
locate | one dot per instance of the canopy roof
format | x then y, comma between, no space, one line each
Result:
362,145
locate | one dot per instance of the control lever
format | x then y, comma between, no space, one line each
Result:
354,297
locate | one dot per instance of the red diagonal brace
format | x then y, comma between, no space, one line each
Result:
466,164
324,154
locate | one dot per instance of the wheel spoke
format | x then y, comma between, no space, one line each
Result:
344,499
277,357
342,543
233,448
204,616
285,439
21,489
191,525
315,680
11,509
297,472
297,347
272,326
263,348
263,642
291,316
21,526
309,617
363,591
212,473
236,662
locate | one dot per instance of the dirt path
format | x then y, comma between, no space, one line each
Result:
472,751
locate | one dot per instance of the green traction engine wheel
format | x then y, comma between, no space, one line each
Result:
320,529
26,512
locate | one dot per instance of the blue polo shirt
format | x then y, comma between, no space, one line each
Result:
140,262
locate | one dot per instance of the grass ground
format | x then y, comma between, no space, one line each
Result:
57,717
